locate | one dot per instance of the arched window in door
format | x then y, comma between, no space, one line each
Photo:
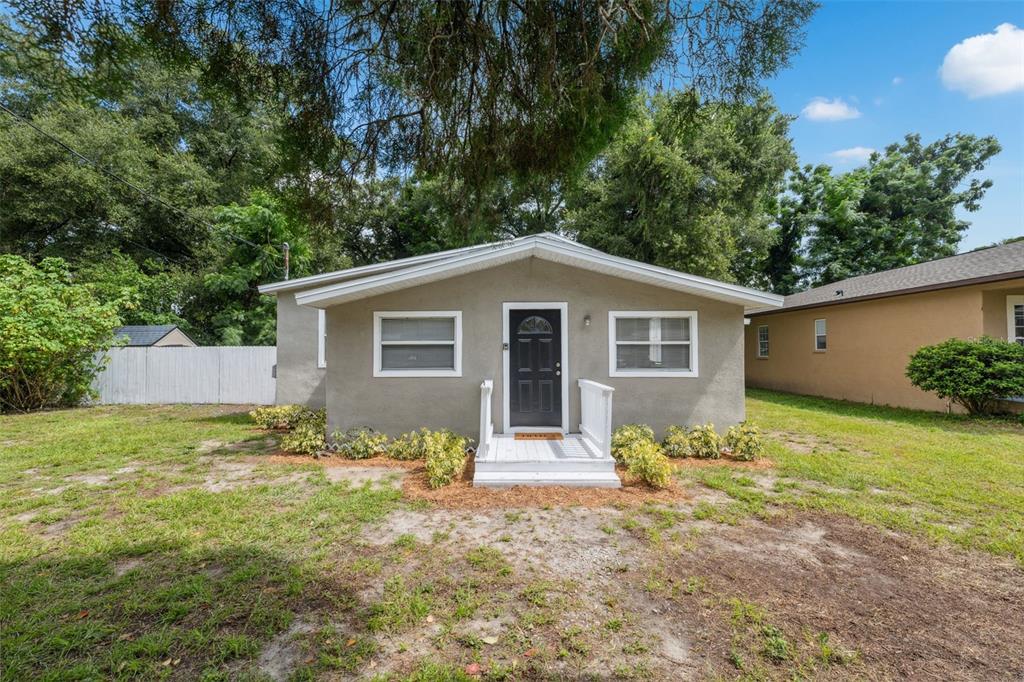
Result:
535,324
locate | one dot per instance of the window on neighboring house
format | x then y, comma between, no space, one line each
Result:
321,338
1015,319
652,343
762,341
820,336
417,344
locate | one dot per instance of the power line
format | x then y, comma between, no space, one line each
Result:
74,152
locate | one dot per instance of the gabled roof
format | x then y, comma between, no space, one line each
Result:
145,334
974,267
322,291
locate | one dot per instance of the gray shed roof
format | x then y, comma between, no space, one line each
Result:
993,263
144,334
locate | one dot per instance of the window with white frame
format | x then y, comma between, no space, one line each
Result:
321,338
652,343
820,336
417,343
762,341
1015,319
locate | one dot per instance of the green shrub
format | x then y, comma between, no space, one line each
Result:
412,445
628,434
308,434
359,443
445,455
51,333
645,460
974,374
278,416
677,442
744,440
705,442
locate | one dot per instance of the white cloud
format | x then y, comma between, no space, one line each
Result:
853,154
985,65
897,80
821,109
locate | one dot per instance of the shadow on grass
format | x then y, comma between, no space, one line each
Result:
147,609
958,423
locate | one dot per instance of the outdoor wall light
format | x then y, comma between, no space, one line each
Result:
586,320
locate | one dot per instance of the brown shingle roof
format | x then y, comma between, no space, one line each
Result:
996,262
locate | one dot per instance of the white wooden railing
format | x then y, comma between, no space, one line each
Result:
596,415
486,425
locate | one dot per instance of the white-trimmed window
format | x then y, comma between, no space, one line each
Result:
762,341
652,343
1015,319
321,338
820,336
420,343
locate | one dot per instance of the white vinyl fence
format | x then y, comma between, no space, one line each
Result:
212,374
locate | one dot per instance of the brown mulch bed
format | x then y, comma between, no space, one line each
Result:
462,495
693,463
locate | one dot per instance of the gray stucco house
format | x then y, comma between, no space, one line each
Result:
532,334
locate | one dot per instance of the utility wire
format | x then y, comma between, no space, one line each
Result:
74,152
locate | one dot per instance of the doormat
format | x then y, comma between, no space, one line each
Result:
538,436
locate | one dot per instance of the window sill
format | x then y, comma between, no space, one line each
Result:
415,373
653,374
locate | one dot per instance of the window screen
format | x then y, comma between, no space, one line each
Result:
411,343
652,344
820,336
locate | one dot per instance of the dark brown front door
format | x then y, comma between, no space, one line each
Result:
535,368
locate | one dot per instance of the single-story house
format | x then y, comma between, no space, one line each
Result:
156,335
852,339
532,334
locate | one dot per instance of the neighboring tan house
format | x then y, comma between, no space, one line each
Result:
852,339
532,334
155,335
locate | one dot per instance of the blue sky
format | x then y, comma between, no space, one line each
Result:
853,53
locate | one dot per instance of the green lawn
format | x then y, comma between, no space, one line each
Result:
948,477
142,542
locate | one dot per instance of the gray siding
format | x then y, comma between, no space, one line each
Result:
394,405
299,380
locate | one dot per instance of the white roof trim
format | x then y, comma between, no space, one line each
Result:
542,246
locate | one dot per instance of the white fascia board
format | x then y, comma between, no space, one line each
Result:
542,246
364,270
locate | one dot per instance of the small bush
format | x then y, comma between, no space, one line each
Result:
308,434
445,454
412,445
645,460
974,374
278,416
677,442
360,443
744,440
705,442
628,434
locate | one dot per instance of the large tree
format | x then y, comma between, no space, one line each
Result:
689,185
898,209
479,89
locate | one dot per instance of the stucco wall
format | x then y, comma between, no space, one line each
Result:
299,380
870,343
395,405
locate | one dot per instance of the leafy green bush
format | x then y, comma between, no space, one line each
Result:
412,445
677,442
974,374
359,443
628,434
278,416
308,434
705,443
51,331
744,440
445,454
645,460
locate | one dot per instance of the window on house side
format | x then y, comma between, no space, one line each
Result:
321,338
820,336
1015,319
762,341
417,343
652,343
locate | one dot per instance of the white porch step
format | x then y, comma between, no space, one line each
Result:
581,479
596,465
